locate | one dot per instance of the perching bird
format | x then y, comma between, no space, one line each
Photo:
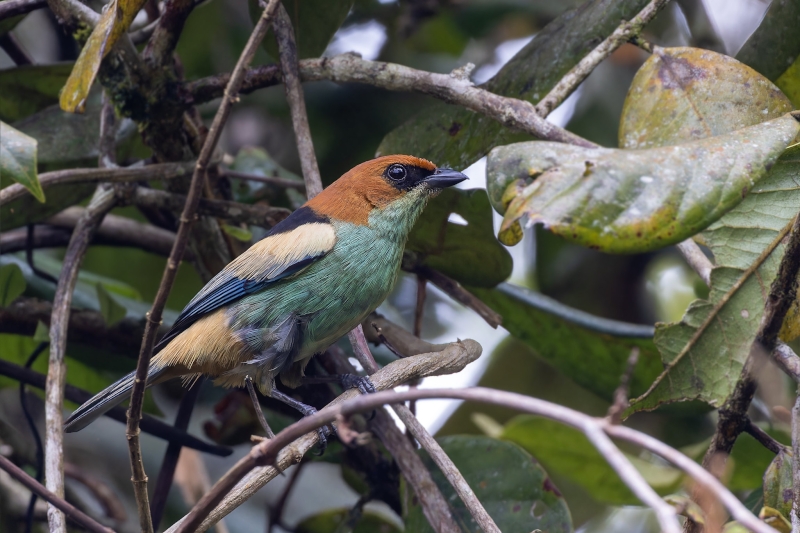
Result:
314,277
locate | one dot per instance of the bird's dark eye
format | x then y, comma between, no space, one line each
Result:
396,172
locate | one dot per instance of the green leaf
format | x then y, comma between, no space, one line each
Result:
470,254
331,521
114,22
111,310
568,452
18,159
42,333
685,94
511,485
27,89
238,233
778,484
789,82
704,353
776,42
456,137
630,201
575,342
12,284
775,520
314,22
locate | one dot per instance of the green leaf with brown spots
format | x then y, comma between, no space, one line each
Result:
114,22
685,94
18,159
512,486
630,201
456,137
778,483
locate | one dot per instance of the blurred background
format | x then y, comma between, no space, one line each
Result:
348,122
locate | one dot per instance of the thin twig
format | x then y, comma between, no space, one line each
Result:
170,461
163,171
267,452
12,48
102,202
696,259
37,437
275,516
272,180
158,52
149,424
351,68
763,437
572,79
621,403
139,477
287,50
454,289
787,360
105,496
75,514
450,360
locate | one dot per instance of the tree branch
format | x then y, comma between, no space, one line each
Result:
102,202
696,259
75,514
163,171
284,33
168,29
454,358
13,8
350,68
139,477
458,293
268,452
572,79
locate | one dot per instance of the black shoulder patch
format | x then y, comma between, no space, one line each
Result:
304,215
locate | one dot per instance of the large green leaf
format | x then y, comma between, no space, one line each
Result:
776,42
314,22
626,201
684,94
18,159
789,82
468,253
511,485
453,136
30,88
12,284
114,22
334,520
778,484
590,350
568,452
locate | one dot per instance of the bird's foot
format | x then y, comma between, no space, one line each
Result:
306,410
362,383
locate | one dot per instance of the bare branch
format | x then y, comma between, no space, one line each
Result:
139,477
570,81
350,68
404,341
787,360
164,171
273,450
272,180
105,496
75,514
763,437
10,45
158,52
221,501
621,393
696,259
12,8
458,293
287,48
102,202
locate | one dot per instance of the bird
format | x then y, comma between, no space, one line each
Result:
312,278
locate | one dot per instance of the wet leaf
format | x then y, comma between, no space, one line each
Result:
114,22
456,137
704,352
513,488
332,521
778,486
314,21
12,284
469,253
776,42
18,159
575,342
626,201
685,94
110,309
27,89
566,451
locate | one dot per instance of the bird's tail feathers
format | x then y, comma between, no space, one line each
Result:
106,399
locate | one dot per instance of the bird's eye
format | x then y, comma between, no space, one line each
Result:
396,172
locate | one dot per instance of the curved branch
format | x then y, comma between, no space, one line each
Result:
12,8
517,114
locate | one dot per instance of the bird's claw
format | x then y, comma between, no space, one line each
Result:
362,383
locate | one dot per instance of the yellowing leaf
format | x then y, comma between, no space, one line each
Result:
18,159
626,201
117,17
789,82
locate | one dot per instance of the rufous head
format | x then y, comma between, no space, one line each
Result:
377,183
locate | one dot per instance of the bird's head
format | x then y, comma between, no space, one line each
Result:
389,187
